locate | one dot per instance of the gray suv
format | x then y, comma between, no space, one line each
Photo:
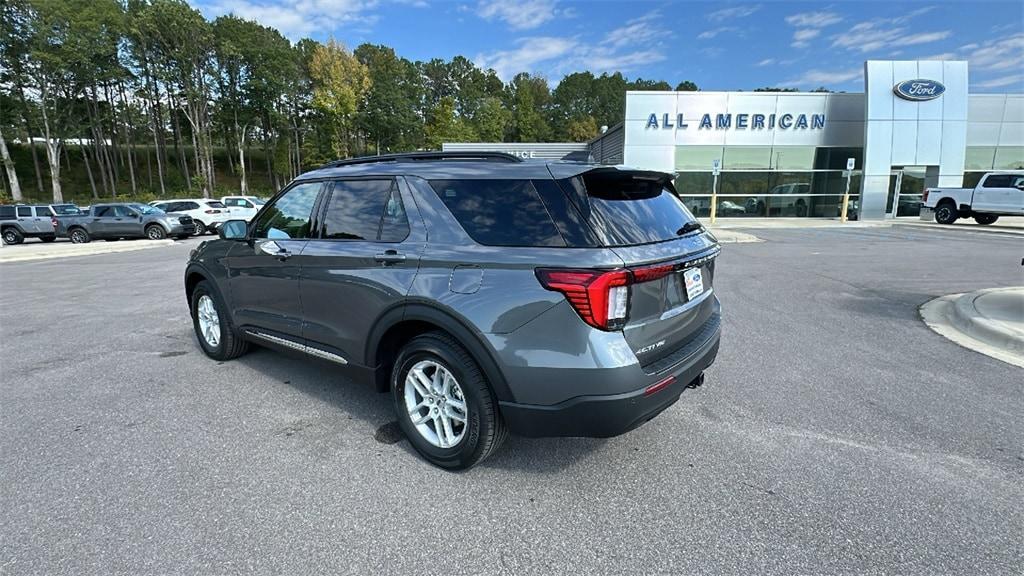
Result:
489,295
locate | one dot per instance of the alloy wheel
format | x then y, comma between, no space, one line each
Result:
209,320
435,404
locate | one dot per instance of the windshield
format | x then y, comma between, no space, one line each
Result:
65,209
145,209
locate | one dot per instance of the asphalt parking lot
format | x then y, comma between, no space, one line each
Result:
836,434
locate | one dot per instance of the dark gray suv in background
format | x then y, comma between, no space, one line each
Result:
487,294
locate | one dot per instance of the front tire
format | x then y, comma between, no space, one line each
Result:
985,219
13,236
444,404
946,213
218,336
155,232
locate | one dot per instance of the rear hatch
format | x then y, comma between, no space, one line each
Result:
638,215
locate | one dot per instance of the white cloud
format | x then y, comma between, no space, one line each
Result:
1000,54
643,30
554,56
813,19
827,78
801,38
709,34
1003,81
881,33
766,62
298,18
741,11
523,15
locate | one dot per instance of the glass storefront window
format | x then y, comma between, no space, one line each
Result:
697,157
690,183
772,205
979,157
1009,158
747,158
835,158
793,158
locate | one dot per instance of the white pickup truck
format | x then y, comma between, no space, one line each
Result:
997,194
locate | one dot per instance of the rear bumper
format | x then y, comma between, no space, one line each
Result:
603,416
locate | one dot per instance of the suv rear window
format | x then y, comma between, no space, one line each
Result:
499,212
627,208
6,212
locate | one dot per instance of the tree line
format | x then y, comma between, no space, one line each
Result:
152,98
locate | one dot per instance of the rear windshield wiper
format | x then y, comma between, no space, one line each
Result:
689,227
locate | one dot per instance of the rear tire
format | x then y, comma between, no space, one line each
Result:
483,431
985,219
13,236
155,232
79,236
229,342
200,228
946,212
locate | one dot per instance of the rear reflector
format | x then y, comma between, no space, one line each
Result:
653,388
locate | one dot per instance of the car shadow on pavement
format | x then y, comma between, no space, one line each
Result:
330,384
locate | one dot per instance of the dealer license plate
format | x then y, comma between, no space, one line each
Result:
694,281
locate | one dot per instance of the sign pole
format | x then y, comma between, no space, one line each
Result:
715,164
846,195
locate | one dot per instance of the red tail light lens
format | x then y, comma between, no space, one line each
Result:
212,211
600,297
924,197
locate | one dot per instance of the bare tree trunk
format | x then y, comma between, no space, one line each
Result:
88,170
241,160
12,176
130,143
28,137
182,163
52,148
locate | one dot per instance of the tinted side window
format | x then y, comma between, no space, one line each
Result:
6,212
997,181
499,212
189,206
24,211
214,204
357,209
289,215
104,212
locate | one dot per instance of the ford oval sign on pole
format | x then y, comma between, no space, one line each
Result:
919,90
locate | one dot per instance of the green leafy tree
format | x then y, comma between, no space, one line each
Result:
530,99
581,129
492,120
389,113
444,125
340,82
686,86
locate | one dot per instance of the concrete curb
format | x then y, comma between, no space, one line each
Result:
25,253
990,331
734,237
991,229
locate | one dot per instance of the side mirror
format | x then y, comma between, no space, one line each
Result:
233,230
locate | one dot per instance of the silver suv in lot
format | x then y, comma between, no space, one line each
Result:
487,294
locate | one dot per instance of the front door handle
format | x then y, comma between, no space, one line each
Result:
390,257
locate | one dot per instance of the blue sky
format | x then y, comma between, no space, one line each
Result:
718,45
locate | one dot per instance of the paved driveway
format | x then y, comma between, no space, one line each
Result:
835,434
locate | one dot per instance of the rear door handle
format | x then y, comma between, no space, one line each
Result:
390,257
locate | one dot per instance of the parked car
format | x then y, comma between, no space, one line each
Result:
997,194
207,214
781,200
124,220
243,207
21,221
547,299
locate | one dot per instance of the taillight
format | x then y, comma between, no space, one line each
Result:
924,197
212,211
600,297
53,221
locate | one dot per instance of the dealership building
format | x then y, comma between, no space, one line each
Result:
768,154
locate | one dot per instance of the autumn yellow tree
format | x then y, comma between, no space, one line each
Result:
340,83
